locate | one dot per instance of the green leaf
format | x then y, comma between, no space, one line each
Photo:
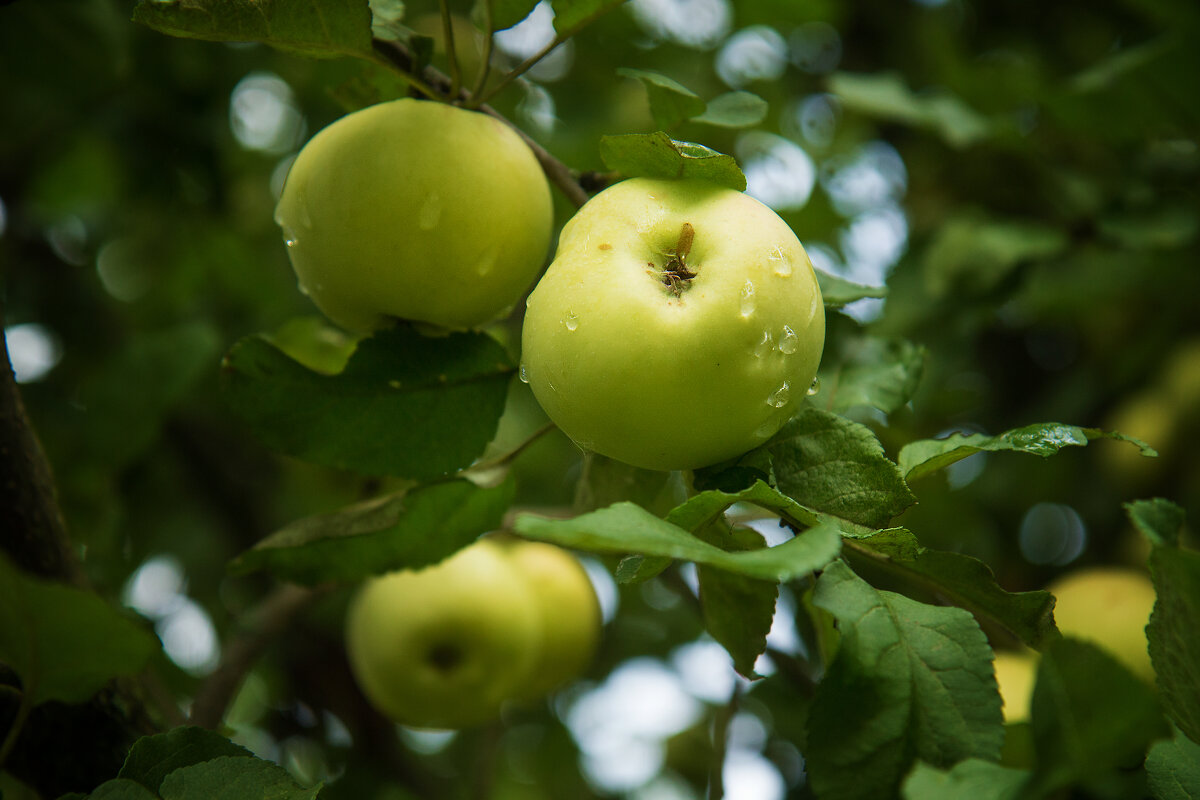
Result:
670,102
408,530
1159,520
628,528
232,778
326,29
1090,715
837,292
120,789
737,610
657,155
974,255
878,373
1172,632
909,682
922,457
829,464
152,758
406,405
886,96
387,17
314,343
64,643
1166,228
734,110
971,779
573,15
965,581
1173,769
505,13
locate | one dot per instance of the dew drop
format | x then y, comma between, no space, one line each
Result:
814,387
571,321
430,213
523,374
780,396
781,262
788,341
289,237
765,431
748,301
764,345
303,289
487,262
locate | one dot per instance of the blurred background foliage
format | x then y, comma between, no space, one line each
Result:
1022,176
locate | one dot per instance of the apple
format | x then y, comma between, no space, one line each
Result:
445,646
448,645
1016,672
680,324
1108,606
570,614
416,210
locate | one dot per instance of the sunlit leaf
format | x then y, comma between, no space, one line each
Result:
657,155
837,292
734,110
670,102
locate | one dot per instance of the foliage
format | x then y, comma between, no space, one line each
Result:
1003,215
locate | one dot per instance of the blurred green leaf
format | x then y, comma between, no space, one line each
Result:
1173,769
734,110
670,102
877,373
505,13
1159,520
965,581
233,778
974,255
627,528
314,343
573,15
1090,715
1166,228
972,779
327,29
387,17
829,464
1174,643
657,155
120,789
152,758
922,457
737,610
64,643
406,405
837,292
407,530
909,682
887,96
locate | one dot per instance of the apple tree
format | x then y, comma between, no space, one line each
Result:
591,398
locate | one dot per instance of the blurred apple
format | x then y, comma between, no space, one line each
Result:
1108,606
1015,675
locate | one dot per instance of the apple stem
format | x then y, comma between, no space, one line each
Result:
677,275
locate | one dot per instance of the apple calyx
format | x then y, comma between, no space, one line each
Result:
676,275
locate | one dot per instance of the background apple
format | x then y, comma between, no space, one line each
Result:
417,210
445,646
679,324
1108,606
1016,672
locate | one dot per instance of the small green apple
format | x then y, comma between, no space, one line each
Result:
679,324
415,210
1108,606
1016,672
570,614
445,646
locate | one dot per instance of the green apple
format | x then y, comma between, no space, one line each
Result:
570,614
1108,606
1016,672
415,210
445,646
679,324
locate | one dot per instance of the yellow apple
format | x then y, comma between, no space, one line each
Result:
679,324
1015,675
1108,606
415,210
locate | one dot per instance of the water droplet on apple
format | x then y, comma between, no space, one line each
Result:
748,301
303,288
571,321
814,387
430,213
780,396
289,237
523,373
788,341
487,262
765,431
781,262
764,345
812,308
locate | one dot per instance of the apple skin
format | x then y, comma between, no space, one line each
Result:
415,210
570,614
1108,606
628,369
1016,673
445,646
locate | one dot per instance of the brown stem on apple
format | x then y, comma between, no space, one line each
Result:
676,274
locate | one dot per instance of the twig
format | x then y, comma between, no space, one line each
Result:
263,624
512,455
